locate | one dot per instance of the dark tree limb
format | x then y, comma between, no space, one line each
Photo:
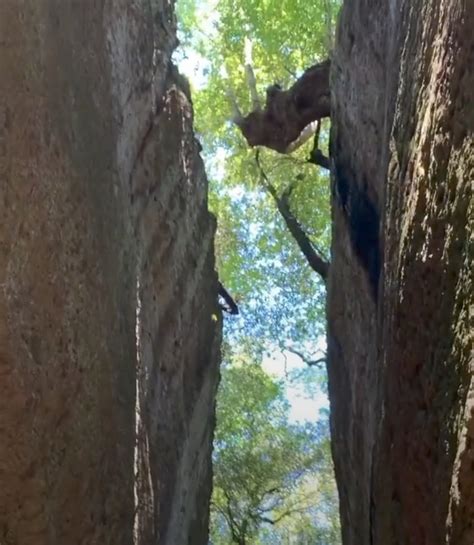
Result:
313,258
309,362
316,156
287,113
287,513
230,305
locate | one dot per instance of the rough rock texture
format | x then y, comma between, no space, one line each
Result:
109,330
401,282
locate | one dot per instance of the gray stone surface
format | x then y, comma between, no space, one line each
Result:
109,330
401,284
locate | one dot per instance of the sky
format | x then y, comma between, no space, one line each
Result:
303,407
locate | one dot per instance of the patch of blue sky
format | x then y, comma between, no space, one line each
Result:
304,406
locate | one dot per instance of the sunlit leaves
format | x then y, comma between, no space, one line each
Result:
281,298
264,465
265,468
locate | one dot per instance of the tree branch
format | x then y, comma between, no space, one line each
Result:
230,305
271,491
329,27
252,85
314,260
237,116
311,363
280,517
235,531
305,135
287,114
316,156
250,76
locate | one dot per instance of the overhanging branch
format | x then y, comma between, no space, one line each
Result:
280,124
313,258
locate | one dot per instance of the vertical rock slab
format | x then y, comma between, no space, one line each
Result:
177,328
109,330
67,284
401,285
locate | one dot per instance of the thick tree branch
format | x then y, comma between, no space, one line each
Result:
314,260
318,158
288,113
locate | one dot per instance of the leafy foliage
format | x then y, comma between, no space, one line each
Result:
280,297
273,478
270,476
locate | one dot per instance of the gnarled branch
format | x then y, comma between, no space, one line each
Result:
288,113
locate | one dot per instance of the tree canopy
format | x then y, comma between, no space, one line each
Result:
271,476
281,298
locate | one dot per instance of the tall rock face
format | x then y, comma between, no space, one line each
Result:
109,327
401,285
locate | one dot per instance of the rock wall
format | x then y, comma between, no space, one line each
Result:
109,330
401,285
